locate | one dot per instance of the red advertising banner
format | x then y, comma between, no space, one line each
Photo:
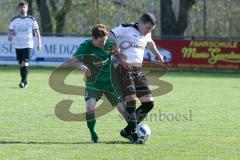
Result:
200,54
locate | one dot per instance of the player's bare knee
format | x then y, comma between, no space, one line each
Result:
146,98
91,103
122,109
24,64
130,98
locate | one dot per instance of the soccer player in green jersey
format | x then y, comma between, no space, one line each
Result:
94,56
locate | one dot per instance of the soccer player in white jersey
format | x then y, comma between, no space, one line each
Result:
20,31
132,40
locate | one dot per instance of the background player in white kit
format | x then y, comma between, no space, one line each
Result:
22,28
132,40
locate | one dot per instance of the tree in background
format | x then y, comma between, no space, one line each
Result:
30,9
58,11
172,25
45,17
221,19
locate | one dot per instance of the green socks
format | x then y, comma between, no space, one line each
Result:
91,123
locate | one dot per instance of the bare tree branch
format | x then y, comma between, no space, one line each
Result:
46,24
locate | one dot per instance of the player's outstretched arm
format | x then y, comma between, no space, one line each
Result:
152,46
75,62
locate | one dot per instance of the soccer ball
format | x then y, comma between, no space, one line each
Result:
144,132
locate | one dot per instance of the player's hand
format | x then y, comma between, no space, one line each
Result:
85,70
160,62
88,73
159,59
10,38
115,50
127,66
123,62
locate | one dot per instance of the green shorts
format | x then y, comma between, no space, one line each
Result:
96,91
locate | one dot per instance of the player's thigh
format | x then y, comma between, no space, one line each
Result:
19,55
110,93
26,54
112,98
143,90
92,93
126,82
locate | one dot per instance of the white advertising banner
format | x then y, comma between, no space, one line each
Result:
55,50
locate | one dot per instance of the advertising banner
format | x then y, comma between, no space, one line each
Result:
55,51
195,54
200,54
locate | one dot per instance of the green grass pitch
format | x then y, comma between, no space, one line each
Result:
198,120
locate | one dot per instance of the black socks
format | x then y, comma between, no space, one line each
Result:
24,74
131,116
134,116
143,110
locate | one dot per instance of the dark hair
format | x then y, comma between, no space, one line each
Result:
148,17
99,30
22,3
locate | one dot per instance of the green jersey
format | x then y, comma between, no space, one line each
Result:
98,60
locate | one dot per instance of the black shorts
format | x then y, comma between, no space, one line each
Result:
23,54
133,83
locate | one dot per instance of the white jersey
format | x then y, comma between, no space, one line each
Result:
132,44
23,29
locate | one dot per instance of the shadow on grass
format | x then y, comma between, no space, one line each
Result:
13,87
66,143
